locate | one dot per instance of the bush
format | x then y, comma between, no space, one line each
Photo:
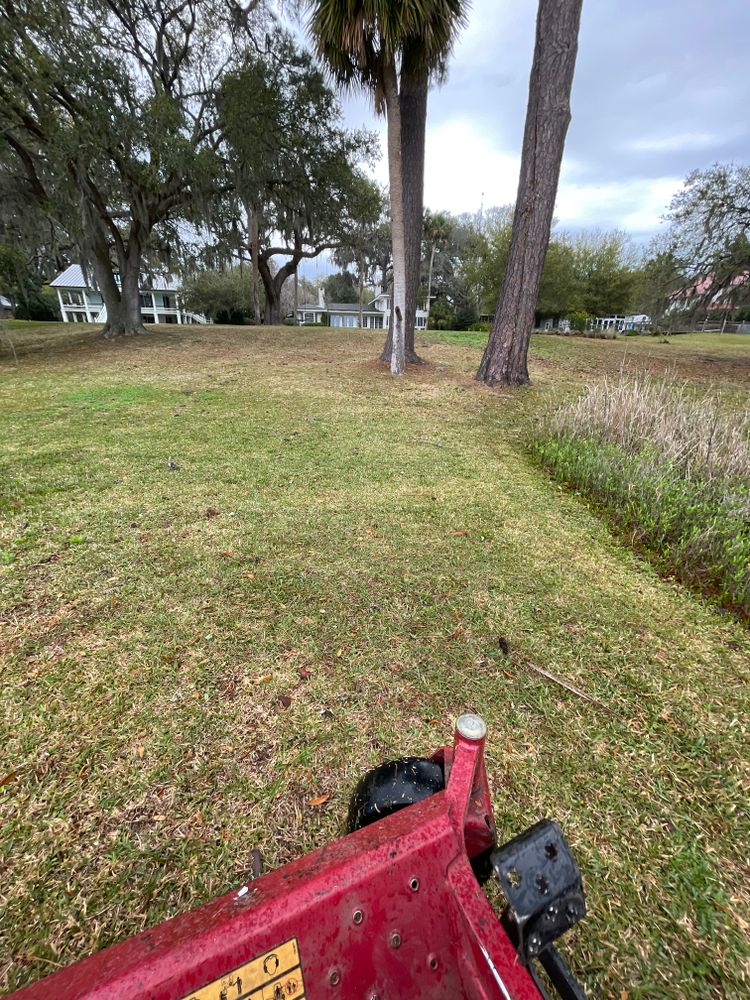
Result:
579,320
672,470
39,304
479,327
290,321
441,316
589,334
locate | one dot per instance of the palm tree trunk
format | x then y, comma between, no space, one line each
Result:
413,108
413,102
393,112
505,360
429,281
361,289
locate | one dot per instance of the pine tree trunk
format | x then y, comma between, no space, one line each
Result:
505,360
393,111
413,108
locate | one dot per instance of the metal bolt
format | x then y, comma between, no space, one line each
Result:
471,727
534,942
432,962
357,916
395,940
414,884
335,978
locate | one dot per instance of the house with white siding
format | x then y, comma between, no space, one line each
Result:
81,302
376,314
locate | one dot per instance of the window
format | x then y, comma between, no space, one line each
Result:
168,319
167,301
377,322
145,300
148,317
71,297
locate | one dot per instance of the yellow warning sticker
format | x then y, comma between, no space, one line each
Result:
276,975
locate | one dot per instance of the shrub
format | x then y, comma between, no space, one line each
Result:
671,469
479,327
579,320
441,316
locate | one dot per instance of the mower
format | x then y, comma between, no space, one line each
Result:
394,910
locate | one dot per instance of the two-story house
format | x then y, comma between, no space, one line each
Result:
80,302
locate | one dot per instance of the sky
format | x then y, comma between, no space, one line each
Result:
661,87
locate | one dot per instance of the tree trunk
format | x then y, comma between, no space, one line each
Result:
123,303
393,112
273,284
429,281
254,257
413,108
505,360
296,294
361,267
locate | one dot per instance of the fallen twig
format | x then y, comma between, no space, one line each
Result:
567,685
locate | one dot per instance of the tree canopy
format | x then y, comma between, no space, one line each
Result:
297,184
108,120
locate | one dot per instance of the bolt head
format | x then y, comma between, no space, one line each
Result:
471,727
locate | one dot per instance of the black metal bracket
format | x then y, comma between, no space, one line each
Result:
543,886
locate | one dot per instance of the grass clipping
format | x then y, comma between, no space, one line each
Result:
671,468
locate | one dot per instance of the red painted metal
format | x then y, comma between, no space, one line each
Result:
391,912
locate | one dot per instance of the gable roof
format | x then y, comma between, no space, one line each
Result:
73,277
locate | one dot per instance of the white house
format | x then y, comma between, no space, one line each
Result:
638,322
6,307
376,314
80,302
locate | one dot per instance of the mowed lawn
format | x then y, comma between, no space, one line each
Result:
241,566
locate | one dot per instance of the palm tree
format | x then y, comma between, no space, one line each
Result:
437,229
392,48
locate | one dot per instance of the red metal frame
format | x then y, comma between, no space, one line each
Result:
390,912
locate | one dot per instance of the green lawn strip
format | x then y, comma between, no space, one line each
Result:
200,531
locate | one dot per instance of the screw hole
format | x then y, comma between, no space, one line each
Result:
335,978
432,962
414,884
551,851
357,916
542,884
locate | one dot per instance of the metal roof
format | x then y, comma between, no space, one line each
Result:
340,307
72,277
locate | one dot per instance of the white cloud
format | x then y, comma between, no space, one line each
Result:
634,205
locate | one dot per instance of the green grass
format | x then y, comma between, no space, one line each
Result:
191,519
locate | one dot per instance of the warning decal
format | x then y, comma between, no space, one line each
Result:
276,975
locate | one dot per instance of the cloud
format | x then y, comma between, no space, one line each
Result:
661,89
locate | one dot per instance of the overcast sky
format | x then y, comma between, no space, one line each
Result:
661,87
